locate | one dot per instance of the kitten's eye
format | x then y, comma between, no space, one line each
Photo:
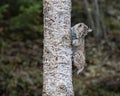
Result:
80,25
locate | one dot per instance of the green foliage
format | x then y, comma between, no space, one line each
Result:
20,82
23,15
20,67
78,12
3,9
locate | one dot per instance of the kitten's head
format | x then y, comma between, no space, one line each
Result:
82,29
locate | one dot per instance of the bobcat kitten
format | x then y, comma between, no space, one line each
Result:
78,33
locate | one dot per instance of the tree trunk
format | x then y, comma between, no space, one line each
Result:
97,15
88,10
57,76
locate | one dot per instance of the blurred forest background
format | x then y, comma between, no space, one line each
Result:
21,36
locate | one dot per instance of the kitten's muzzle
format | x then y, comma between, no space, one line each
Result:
90,30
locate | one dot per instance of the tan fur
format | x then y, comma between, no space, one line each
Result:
79,31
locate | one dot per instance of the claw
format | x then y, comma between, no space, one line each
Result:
80,70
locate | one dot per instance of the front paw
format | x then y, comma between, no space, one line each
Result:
80,70
75,42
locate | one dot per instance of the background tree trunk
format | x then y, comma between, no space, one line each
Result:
90,18
97,19
57,76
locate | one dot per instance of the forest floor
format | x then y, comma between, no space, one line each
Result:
21,67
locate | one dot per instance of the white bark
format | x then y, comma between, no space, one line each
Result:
57,76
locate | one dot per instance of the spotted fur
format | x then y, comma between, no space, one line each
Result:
78,33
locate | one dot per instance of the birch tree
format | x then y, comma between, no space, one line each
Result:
57,76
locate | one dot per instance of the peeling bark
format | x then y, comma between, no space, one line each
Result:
57,76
